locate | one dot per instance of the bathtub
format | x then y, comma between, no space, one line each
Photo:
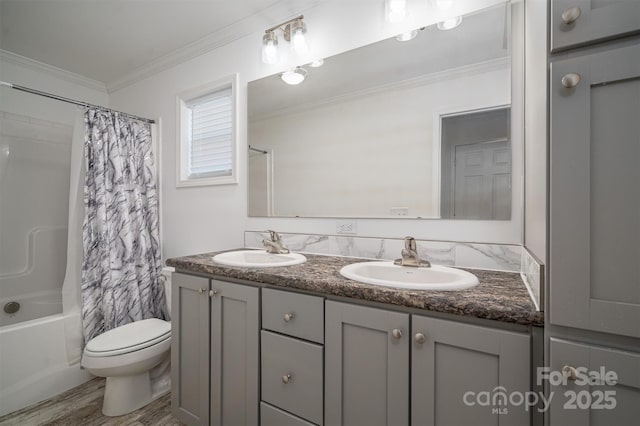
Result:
32,306
33,363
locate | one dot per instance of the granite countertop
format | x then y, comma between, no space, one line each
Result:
500,296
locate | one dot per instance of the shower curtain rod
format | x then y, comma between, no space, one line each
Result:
71,101
261,151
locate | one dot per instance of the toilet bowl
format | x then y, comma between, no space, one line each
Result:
125,356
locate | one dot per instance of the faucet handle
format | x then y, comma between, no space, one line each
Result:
410,243
275,237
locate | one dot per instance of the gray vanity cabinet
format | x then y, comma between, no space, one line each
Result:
451,363
214,351
366,366
594,200
607,400
578,22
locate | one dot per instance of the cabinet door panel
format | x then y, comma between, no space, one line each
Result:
190,349
234,354
598,20
625,394
595,193
456,363
366,367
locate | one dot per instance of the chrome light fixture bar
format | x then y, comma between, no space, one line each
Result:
293,30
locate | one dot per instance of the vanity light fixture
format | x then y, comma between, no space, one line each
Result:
449,24
295,76
294,31
395,10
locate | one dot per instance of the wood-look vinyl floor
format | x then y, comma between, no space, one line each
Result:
82,406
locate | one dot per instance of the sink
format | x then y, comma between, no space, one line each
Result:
258,259
389,275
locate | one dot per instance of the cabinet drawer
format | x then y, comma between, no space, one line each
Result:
272,416
292,375
294,314
579,22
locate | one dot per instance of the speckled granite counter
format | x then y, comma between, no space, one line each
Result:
500,296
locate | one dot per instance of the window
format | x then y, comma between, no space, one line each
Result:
207,135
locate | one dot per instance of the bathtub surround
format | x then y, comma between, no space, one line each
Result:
122,260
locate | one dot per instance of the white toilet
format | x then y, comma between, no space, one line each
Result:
125,356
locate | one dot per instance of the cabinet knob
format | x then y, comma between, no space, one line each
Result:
396,333
202,290
571,80
212,293
569,372
571,15
286,378
420,338
288,317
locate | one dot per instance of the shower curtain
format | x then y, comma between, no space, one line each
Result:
120,233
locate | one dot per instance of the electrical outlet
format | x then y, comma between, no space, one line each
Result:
399,211
347,226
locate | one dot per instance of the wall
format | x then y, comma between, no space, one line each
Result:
212,218
385,167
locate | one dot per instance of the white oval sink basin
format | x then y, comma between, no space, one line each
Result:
258,259
389,275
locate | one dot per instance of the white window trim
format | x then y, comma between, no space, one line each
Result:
182,137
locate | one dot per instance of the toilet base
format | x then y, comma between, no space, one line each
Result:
124,394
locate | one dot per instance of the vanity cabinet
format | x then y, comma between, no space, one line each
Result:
594,197
579,22
601,402
214,351
451,363
366,366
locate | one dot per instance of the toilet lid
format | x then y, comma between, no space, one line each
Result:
129,337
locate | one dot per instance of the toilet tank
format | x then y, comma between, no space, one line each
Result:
166,278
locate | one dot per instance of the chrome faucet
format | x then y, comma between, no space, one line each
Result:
410,255
274,244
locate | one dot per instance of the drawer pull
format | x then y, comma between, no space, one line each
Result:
569,372
420,338
571,80
396,333
286,378
212,293
202,290
571,15
288,317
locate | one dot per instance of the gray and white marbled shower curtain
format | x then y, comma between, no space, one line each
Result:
121,261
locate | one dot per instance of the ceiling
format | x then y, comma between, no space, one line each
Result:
107,40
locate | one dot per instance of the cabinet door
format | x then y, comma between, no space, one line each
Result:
190,349
578,22
599,403
455,365
234,354
595,192
366,366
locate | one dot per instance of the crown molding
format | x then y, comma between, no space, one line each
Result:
275,13
71,77
423,80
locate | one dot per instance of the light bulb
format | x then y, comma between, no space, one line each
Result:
297,30
317,63
396,10
407,36
444,4
270,48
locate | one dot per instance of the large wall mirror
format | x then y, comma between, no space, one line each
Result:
396,129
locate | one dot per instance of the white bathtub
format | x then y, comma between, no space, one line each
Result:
33,363
32,306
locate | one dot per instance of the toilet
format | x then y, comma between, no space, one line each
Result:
126,355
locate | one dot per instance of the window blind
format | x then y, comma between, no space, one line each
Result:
210,143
